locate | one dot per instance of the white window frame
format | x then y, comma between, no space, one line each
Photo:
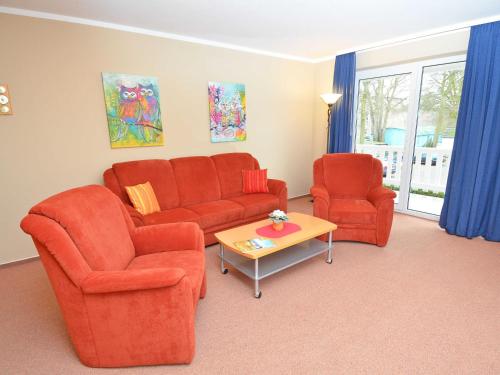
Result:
415,69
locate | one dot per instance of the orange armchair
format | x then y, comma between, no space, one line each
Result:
348,191
128,295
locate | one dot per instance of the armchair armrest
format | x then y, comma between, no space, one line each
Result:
275,186
128,280
380,194
136,216
320,192
166,237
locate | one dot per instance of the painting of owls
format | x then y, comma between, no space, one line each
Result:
133,110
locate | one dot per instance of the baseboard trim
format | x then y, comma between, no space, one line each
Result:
19,261
299,196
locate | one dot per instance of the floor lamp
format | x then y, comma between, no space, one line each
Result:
330,99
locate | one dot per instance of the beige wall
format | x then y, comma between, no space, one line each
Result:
57,137
452,43
323,82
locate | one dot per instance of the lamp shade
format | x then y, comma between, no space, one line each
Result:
330,97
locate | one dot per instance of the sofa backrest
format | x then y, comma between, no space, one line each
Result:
158,172
345,175
197,179
229,167
93,218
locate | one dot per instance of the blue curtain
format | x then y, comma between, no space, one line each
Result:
472,201
341,116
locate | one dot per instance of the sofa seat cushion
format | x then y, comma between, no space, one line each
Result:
217,212
175,215
191,261
257,203
352,211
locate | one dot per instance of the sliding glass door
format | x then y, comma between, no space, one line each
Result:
382,119
406,117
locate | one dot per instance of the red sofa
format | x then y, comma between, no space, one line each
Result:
128,295
348,191
207,190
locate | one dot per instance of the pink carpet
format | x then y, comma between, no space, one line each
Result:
428,303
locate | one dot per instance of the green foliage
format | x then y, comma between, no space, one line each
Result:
428,193
392,187
440,98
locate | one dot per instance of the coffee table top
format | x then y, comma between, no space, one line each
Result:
311,227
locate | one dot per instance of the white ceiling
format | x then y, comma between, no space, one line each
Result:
309,29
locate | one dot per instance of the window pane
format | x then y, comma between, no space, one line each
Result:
381,123
437,118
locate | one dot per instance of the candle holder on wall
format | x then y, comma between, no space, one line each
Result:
5,101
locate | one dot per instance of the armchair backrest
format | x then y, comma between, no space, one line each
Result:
348,175
90,221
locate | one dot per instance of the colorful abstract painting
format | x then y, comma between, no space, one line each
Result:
133,110
227,105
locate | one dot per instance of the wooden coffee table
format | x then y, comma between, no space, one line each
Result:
289,250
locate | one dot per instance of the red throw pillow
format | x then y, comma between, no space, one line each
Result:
255,181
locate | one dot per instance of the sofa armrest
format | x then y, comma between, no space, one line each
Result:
129,280
279,188
275,186
136,216
379,194
320,192
166,237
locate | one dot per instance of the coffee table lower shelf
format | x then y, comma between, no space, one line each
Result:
257,269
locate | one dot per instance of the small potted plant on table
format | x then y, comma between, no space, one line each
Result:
278,218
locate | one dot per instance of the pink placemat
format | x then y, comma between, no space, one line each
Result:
269,232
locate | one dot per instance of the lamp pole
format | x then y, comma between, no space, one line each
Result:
328,126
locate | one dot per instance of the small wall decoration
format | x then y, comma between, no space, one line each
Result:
5,100
227,106
133,110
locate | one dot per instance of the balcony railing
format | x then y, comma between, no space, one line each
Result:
430,165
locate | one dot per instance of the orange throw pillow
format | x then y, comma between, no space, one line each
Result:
255,181
143,198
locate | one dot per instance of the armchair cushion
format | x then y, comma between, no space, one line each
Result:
257,204
352,211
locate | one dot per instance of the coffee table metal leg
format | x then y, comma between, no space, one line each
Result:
222,268
258,293
330,248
